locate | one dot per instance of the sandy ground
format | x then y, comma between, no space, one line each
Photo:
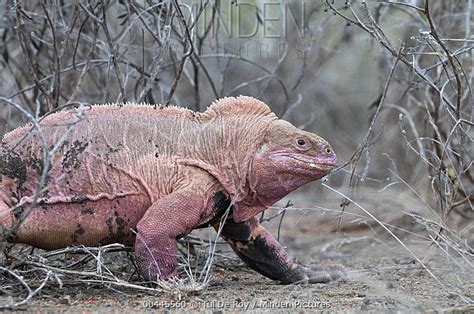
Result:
380,273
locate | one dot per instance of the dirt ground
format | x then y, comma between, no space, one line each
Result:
380,272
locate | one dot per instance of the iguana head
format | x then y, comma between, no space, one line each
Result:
286,159
293,154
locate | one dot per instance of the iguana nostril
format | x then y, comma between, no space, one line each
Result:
328,150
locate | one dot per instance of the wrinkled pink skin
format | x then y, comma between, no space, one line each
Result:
82,209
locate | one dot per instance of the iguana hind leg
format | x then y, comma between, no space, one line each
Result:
262,252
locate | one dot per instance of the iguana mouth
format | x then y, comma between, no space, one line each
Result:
325,165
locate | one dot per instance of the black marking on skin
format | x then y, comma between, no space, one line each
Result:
108,222
80,199
45,193
112,150
12,166
261,257
117,149
16,167
36,164
32,160
71,158
78,232
87,211
121,227
121,233
42,204
240,231
220,204
258,254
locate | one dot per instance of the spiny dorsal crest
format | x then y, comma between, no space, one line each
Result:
242,105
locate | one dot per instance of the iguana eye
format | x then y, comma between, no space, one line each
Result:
301,142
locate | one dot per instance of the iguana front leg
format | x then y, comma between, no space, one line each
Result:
263,253
170,218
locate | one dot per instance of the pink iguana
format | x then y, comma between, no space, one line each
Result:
145,175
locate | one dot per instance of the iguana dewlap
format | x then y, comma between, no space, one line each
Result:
146,175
